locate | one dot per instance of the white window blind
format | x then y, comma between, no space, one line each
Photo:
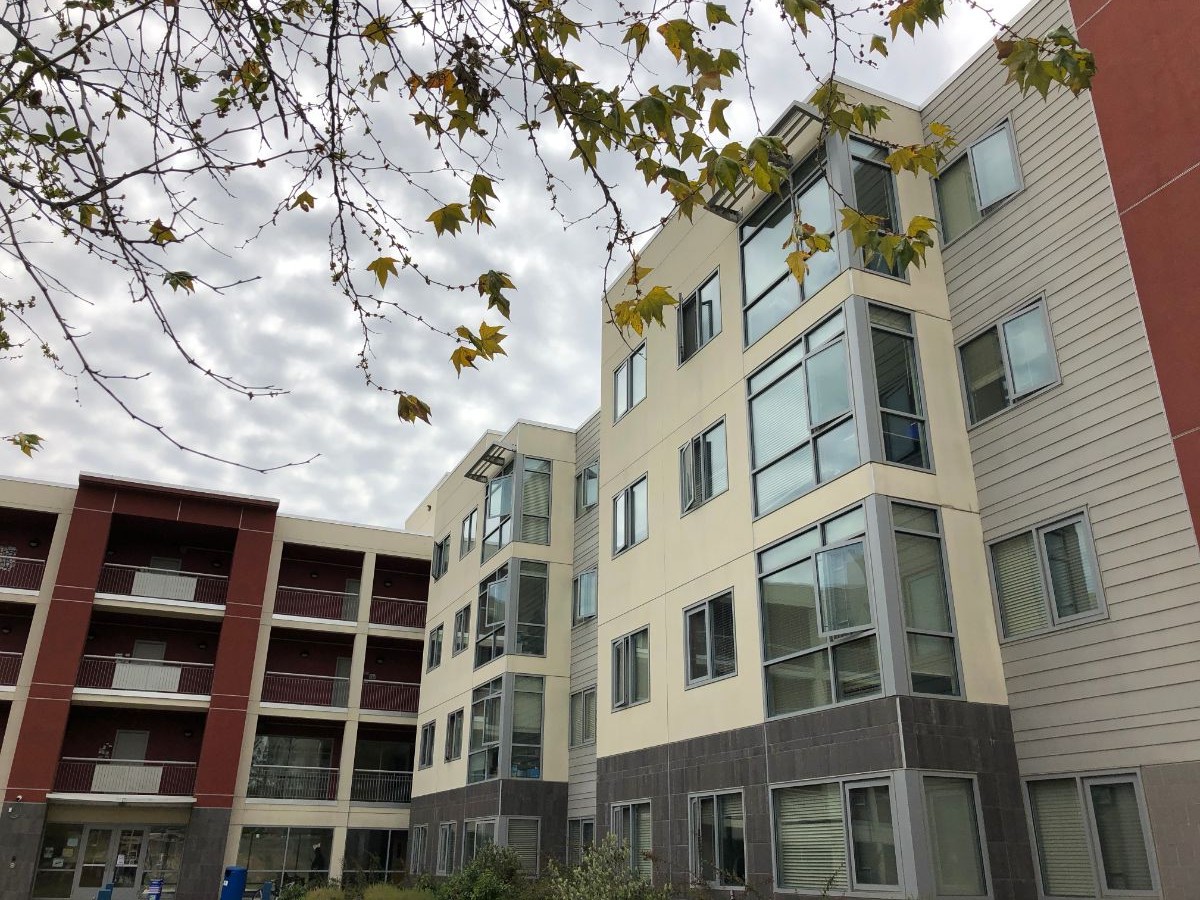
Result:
810,837
1062,843
535,502
523,840
1019,586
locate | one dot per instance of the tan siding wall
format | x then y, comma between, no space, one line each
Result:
1122,691
581,763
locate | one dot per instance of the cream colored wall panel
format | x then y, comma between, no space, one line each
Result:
974,618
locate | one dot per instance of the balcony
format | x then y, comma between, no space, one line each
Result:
120,673
25,538
390,696
311,603
381,786
10,668
78,775
269,782
398,613
21,573
306,690
170,585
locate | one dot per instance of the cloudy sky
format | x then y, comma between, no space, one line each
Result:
290,329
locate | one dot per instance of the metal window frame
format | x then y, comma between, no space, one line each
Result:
615,807
859,259
518,513
705,605
464,613
577,619
626,526
501,696
440,563
418,848
964,154
509,471
483,631
694,297
512,611
877,450
503,826
463,546
626,364
917,798
436,636
446,866
625,641
494,821
581,506
583,740
693,856
429,728
453,741
506,726
582,821
687,451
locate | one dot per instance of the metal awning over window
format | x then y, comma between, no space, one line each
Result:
496,456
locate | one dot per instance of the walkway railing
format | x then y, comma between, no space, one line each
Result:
381,786
163,584
292,783
403,613
309,603
391,696
77,775
21,574
306,690
123,673
10,667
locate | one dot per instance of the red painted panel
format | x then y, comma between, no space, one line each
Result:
210,512
1187,450
87,537
147,506
99,497
90,729
316,655
14,632
257,518
216,775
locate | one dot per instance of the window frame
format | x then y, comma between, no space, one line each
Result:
503,520
1099,614
1037,301
468,537
439,563
434,644
462,631
454,735
582,740
705,605
615,808
445,864
688,462
923,775
966,153
714,277
526,473
693,837
424,748
921,418
485,633
471,827
576,618
628,524
500,696
853,156
418,846
590,472
626,365
621,699
575,854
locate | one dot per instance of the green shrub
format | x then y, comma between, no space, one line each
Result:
325,892
394,892
602,874
494,874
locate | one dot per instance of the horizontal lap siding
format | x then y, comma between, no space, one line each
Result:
1125,691
581,762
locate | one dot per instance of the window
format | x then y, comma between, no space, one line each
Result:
528,614
708,635
718,839
970,186
631,669
581,834
462,630
417,838
836,836
289,767
523,836
434,656
932,661
630,525
770,292
477,834
901,408
497,513
526,748
284,855
629,383
532,589
875,195
631,824
584,603
374,855
801,418
454,735
535,501
447,833
1046,578
483,762
425,760
699,318
819,642
583,717
954,836
470,533
491,616
441,558
1008,362
1091,836
703,471
587,488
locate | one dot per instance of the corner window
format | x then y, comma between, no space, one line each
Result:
454,732
584,599
587,488
417,838
497,513
954,836
1046,578
581,834
469,534
699,318
901,407
819,640
631,825
1009,361
434,656
708,635
526,750
718,840
630,518
703,467
447,832
441,558
1090,835
980,178
631,669
425,756
491,617
932,660
477,834
875,195
629,383
462,630
483,761
583,717
532,591
801,417
535,501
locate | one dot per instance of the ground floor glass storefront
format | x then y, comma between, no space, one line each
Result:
77,860
284,855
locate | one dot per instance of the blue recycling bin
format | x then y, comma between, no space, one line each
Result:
105,893
233,885
264,892
154,891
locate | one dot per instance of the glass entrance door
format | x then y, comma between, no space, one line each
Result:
93,863
110,856
126,861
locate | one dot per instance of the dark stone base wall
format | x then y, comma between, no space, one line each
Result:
203,863
21,826
889,733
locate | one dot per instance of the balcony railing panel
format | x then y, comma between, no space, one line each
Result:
10,667
128,674
391,696
402,613
292,782
305,690
125,776
381,786
309,603
163,584
20,573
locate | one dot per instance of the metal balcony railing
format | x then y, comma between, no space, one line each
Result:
381,786
306,690
163,584
10,667
77,775
309,603
123,673
21,574
391,696
292,782
402,613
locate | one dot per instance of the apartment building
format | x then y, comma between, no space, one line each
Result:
189,679
881,586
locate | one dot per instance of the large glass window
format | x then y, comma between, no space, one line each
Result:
703,468
819,640
583,717
477,834
631,669
630,516
526,750
1009,361
374,855
483,761
709,638
1046,577
447,835
801,418
454,735
875,195
901,408
441,558
469,534
980,178
418,839
497,513
54,879
954,836
433,656
462,630
699,318
718,839
284,855
581,834
629,382
532,591
425,754
587,488
491,616
631,825
535,501
932,660
584,602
